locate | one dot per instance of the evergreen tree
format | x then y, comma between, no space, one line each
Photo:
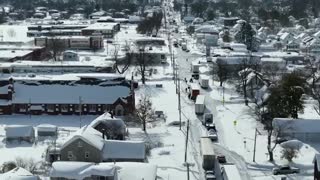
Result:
246,35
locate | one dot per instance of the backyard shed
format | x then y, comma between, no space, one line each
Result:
20,133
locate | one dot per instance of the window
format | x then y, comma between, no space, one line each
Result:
163,56
64,107
50,107
79,144
92,108
70,155
105,108
86,154
23,108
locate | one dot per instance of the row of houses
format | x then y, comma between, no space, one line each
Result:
69,94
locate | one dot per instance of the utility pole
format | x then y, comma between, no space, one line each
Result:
179,101
187,139
80,111
255,143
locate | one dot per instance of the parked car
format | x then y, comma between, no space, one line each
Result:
187,50
209,175
212,134
285,170
221,159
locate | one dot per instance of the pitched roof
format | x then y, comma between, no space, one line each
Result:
88,135
106,119
13,131
70,170
114,149
18,173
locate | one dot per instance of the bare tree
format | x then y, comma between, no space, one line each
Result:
55,46
8,166
28,164
222,71
145,111
275,132
272,72
128,59
143,59
244,72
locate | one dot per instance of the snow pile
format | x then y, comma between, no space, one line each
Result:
18,173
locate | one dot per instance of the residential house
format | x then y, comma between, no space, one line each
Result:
102,171
316,162
292,46
89,145
305,130
85,145
110,126
285,38
19,133
18,173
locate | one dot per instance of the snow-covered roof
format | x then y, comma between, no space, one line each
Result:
114,149
18,173
102,169
88,135
67,64
101,26
46,128
69,170
106,118
207,29
128,171
63,77
119,170
14,131
68,94
298,125
272,59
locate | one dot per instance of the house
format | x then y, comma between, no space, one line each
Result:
45,130
111,127
154,49
286,37
69,94
89,145
316,172
85,145
19,133
106,171
306,130
18,173
292,46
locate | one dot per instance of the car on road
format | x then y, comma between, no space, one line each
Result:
212,134
209,175
285,170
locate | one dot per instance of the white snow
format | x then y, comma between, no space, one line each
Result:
18,173
67,94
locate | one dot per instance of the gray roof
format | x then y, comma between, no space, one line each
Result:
14,131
